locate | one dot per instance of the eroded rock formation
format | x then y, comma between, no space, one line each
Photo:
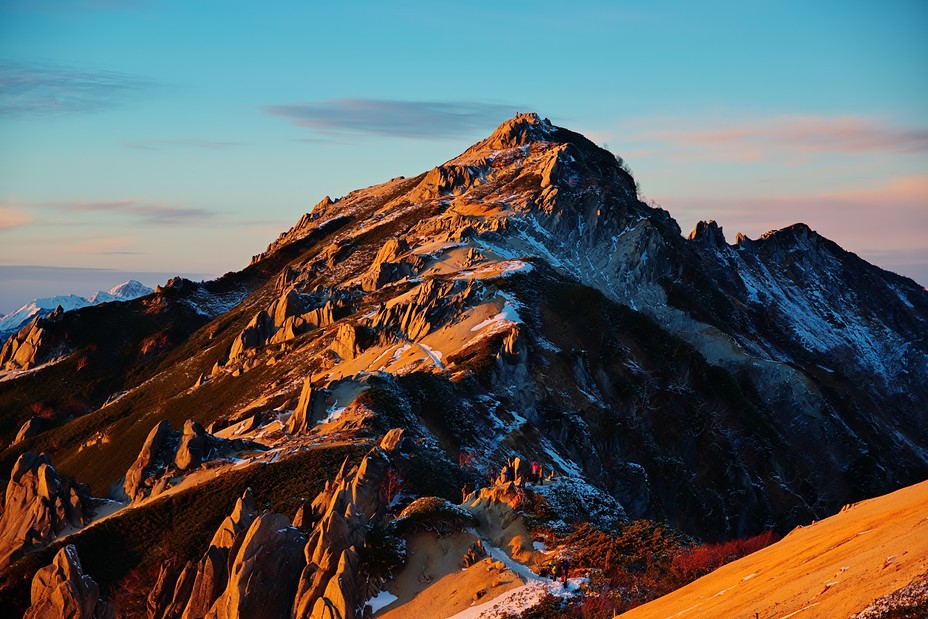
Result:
39,504
264,571
167,452
30,347
29,429
62,589
329,585
310,409
264,566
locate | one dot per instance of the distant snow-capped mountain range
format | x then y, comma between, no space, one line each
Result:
14,321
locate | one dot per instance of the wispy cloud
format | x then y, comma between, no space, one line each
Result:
182,143
11,217
43,90
759,139
392,118
146,211
149,212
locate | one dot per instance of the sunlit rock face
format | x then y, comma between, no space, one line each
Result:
39,504
62,589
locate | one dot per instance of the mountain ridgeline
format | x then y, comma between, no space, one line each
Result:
518,300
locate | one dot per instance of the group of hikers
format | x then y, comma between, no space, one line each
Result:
516,471
557,569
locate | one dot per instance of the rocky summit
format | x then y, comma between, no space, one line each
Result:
504,384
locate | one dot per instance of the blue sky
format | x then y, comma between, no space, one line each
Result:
178,136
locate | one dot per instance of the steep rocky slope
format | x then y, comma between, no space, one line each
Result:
518,300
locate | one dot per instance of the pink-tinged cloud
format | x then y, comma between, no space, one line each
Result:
11,217
886,223
149,212
758,139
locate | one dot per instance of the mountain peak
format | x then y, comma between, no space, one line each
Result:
708,233
521,129
131,289
798,230
14,321
798,234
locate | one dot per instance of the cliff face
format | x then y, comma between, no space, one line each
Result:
518,300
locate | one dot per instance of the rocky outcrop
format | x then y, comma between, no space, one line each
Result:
161,594
176,284
310,409
264,571
256,334
708,233
212,572
30,347
29,429
62,589
321,316
434,303
302,228
193,445
39,504
173,607
286,279
156,454
288,316
393,263
518,131
344,593
345,344
167,454
289,304
329,585
250,570
192,592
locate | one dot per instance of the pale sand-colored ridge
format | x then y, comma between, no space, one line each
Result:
831,568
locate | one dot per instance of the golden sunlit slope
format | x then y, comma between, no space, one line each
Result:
832,568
